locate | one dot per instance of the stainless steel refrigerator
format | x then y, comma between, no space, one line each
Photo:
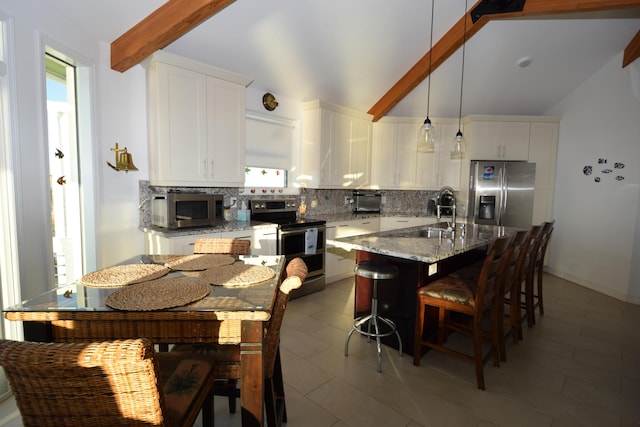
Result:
501,193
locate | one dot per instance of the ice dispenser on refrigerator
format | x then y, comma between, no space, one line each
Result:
487,207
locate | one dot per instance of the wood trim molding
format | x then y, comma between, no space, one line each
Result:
452,40
632,51
166,24
441,51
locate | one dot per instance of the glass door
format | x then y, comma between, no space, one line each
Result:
64,182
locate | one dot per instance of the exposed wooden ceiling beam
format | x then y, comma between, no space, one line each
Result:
166,24
453,39
632,51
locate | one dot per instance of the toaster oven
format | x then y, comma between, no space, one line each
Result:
366,201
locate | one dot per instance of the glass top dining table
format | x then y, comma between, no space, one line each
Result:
228,315
76,297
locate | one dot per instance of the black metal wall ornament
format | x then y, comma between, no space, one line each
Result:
492,7
589,169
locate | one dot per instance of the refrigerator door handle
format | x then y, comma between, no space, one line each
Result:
500,196
505,188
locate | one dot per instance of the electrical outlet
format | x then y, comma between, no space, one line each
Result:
383,199
433,269
347,200
233,201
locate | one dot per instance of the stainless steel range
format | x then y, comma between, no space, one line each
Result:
297,237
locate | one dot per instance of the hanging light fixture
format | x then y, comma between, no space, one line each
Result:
427,133
459,146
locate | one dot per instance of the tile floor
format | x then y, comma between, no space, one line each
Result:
579,366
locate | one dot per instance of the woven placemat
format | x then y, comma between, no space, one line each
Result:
199,262
237,275
121,275
159,294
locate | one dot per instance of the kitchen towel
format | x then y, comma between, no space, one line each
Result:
310,241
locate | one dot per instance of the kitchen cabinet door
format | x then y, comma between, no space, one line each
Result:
497,140
408,160
196,125
448,169
264,241
394,159
336,150
339,140
543,149
339,263
397,222
383,156
226,127
436,170
177,133
360,153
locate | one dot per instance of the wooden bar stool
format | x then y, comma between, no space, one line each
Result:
375,271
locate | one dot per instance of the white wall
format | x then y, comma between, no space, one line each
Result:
123,119
596,241
119,116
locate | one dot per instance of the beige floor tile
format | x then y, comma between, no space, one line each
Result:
578,366
354,407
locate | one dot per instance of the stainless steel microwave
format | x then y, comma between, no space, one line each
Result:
182,210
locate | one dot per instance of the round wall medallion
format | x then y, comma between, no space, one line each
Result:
269,102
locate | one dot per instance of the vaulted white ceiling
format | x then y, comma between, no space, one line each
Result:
350,52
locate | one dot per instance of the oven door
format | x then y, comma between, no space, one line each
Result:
292,243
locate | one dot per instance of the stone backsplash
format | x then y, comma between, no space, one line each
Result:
319,202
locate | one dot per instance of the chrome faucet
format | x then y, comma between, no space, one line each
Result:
450,192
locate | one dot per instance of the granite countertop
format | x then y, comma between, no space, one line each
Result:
221,226
424,243
347,216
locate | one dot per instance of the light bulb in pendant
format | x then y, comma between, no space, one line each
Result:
459,146
427,137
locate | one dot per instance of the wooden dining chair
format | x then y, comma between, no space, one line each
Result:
226,358
510,300
112,383
474,298
519,306
222,245
230,246
533,288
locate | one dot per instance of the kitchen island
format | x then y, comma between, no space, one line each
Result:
422,254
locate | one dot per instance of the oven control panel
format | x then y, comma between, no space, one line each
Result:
273,205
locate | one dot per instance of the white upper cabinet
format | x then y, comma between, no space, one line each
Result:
196,118
336,147
496,138
394,158
543,147
396,164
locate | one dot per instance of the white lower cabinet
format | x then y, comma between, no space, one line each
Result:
263,241
339,263
396,222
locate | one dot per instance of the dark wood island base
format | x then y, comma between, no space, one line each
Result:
397,297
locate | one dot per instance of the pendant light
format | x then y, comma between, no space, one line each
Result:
427,133
459,145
